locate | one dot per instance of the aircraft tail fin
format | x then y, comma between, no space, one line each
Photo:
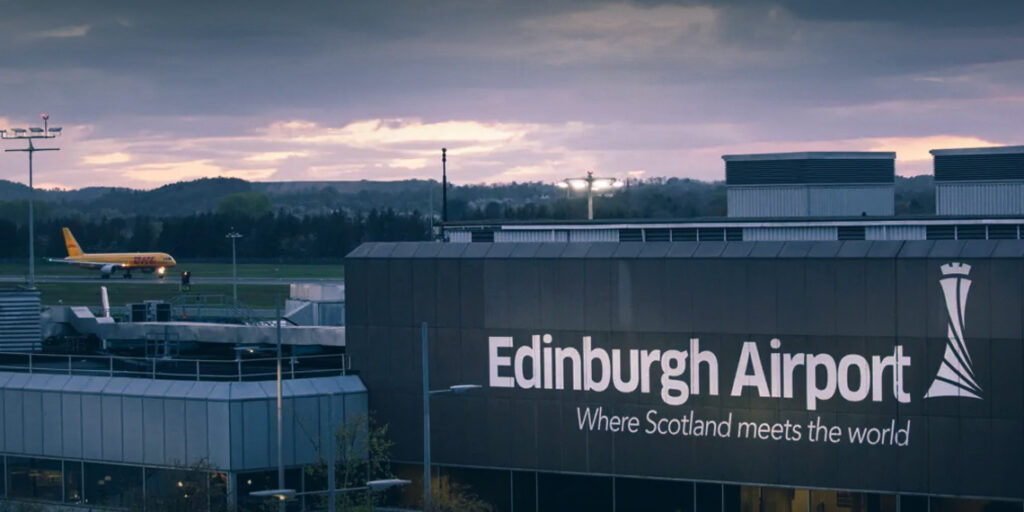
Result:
69,240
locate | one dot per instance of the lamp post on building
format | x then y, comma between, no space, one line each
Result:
427,393
444,190
234,235
590,184
22,134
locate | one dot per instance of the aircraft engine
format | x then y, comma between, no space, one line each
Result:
106,270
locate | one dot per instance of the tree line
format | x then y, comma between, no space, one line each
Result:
277,236
329,229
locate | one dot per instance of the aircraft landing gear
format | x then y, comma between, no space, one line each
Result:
127,275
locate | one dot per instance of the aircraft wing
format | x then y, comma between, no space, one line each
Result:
83,263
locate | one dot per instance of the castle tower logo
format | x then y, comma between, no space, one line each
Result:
956,375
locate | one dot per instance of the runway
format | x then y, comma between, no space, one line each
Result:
169,281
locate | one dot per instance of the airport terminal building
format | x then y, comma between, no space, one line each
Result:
821,367
809,352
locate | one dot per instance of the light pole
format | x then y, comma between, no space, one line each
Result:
427,392
590,184
444,190
234,235
32,133
280,421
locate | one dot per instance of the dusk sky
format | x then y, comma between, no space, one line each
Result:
156,92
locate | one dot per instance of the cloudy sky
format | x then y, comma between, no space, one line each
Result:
157,92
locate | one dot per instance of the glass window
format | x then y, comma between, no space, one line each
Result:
524,491
709,496
218,492
111,485
177,490
775,499
38,479
910,503
574,492
641,494
846,501
487,486
970,505
72,482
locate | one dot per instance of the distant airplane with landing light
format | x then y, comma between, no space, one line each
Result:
108,263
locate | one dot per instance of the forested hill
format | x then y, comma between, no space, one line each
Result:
653,198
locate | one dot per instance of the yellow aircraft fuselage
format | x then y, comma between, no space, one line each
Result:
110,262
139,260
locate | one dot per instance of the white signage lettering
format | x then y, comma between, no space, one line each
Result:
541,366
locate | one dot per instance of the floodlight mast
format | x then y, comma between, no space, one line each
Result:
32,133
590,184
234,235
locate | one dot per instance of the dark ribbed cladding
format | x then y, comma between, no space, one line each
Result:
809,171
991,167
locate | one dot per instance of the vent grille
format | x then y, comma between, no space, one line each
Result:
631,235
684,234
1003,232
657,235
808,171
851,232
979,167
973,232
941,233
711,234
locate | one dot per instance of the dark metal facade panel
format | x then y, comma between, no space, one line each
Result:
655,250
576,250
809,171
602,249
682,249
766,249
795,249
737,250
824,249
992,167
475,250
382,249
405,249
885,249
821,298
629,249
709,249
500,250
429,250
551,250
525,249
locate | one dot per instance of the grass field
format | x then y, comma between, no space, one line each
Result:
198,269
87,294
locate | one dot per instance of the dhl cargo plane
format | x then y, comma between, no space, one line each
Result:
108,263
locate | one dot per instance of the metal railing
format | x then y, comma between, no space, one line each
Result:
177,368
